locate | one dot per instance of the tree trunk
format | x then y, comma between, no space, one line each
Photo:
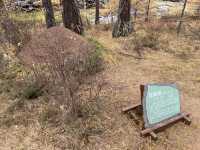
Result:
1,7
1,4
49,14
97,12
147,11
71,16
123,26
181,17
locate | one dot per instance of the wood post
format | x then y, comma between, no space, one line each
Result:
165,123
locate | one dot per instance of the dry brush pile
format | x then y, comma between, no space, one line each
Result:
58,85
63,62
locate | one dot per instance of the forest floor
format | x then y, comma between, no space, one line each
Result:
171,59
124,77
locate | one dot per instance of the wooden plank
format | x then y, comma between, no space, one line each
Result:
130,107
165,123
153,135
187,120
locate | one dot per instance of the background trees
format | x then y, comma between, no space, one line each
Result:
97,12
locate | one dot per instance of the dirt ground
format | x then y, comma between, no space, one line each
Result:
123,74
124,79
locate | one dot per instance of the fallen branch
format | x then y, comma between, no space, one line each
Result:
129,55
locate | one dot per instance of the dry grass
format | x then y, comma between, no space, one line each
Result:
175,61
40,124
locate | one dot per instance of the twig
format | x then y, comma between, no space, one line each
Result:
129,55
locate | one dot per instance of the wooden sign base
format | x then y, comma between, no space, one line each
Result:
152,130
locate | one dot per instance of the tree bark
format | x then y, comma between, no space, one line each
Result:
71,16
123,26
181,17
97,12
49,14
147,11
1,7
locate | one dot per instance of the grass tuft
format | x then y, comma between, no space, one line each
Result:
32,91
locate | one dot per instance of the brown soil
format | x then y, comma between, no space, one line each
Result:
124,79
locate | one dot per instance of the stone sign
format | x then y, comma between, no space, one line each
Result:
160,102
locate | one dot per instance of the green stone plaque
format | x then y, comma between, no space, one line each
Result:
160,102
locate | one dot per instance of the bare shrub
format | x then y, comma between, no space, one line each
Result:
49,115
16,33
104,27
86,22
161,26
194,32
62,60
142,41
149,41
32,91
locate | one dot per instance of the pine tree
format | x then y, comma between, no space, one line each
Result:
71,16
49,14
123,26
